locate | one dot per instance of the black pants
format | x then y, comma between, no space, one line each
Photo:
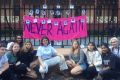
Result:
18,70
7,75
109,74
21,69
91,72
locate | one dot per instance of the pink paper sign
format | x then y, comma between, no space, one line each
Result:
55,28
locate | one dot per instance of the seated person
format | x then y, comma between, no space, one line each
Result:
26,56
16,66
76,61
4,65
94,60
109,63
48,56
18,39
114,46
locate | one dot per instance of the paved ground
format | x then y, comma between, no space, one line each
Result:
55,74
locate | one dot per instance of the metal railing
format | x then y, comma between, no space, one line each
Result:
102,17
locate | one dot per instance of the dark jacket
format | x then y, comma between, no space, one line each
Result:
26,57
109,60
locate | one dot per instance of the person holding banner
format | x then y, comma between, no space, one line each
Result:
76,61
48,56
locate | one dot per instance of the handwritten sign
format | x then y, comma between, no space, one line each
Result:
55,28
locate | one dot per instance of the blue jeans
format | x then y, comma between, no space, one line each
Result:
53,61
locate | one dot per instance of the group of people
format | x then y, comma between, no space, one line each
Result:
20,59
101,63
16,59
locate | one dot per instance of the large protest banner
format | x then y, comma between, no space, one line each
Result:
54,28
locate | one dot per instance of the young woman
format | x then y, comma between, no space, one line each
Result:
27,54
77,60
26,57
18,39
94,60
48,56
16,66
109,63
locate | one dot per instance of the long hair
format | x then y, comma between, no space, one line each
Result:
11,47
24,48
93,44
72,48
45,37
106,45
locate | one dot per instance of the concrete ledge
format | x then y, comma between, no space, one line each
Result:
63,51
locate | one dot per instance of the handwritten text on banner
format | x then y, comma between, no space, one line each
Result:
55,28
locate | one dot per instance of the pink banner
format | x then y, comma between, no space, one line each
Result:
55,28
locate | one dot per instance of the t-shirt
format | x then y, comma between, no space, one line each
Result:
46,52
12,59
78,58
109,60
106,61
3,60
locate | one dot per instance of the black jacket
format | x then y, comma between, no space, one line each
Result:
110,60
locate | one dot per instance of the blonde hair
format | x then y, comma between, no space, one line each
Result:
11,47
72,48
24,49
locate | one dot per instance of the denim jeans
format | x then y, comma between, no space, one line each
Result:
51,62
